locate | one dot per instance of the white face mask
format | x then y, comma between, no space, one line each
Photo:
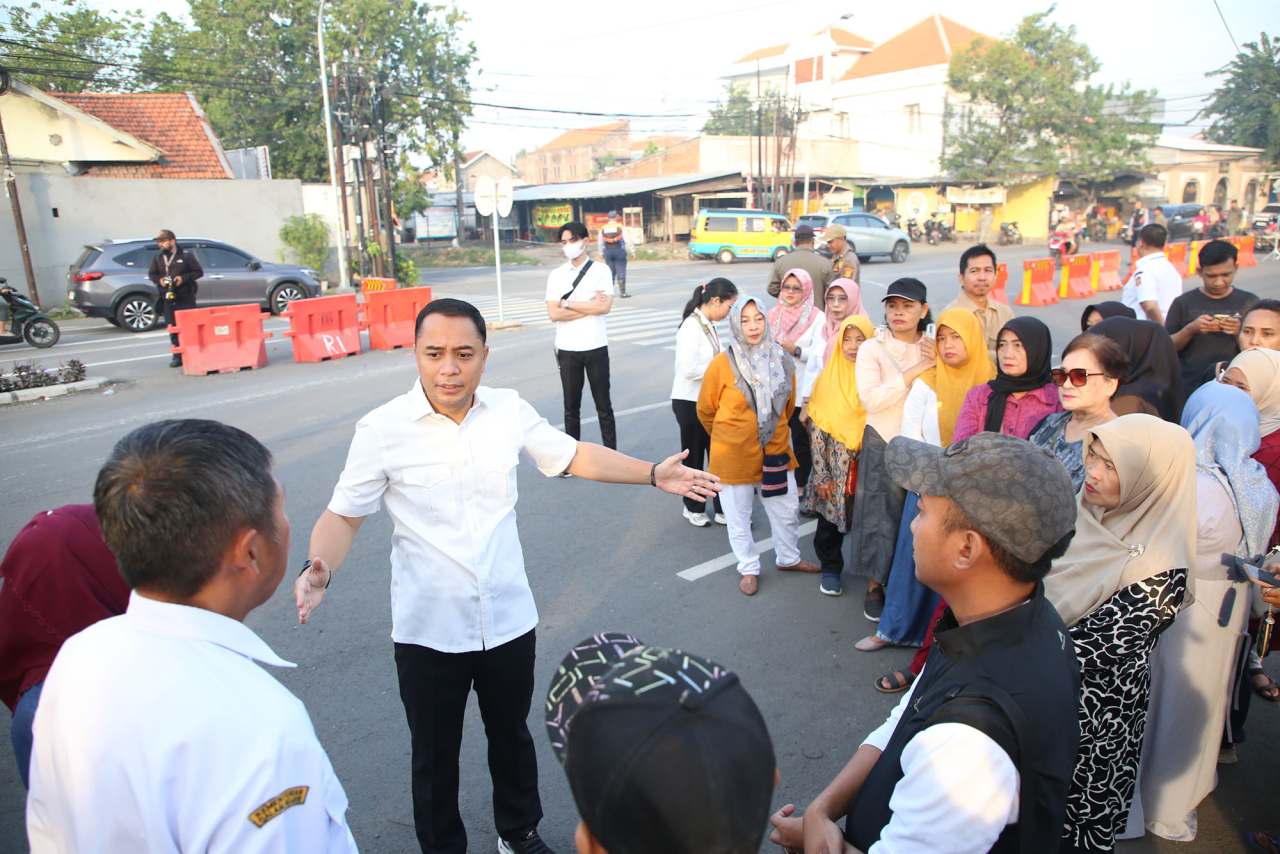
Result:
573,250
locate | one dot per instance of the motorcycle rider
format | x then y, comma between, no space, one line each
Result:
613,246
174,271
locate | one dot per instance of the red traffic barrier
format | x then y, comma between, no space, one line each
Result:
1037,282
389,316
1077,276
1177,255
368,286
221,339
1106,271
1246,246
998,293
324,328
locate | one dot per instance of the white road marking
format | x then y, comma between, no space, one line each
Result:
716,564
646,408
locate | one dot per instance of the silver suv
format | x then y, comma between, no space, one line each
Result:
867,233
110,280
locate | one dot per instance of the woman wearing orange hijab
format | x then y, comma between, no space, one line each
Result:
929,415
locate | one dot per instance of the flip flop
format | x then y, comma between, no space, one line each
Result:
1270,691
1263,842
895,682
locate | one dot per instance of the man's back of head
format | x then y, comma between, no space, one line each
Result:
664,750
1153,236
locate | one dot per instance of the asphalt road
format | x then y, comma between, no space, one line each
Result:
599,556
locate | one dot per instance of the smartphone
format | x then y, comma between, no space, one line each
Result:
1222,318
931,330
1261,576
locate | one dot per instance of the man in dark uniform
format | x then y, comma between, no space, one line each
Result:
174,271
978,755
614,248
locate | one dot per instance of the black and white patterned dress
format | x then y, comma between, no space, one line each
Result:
1113,646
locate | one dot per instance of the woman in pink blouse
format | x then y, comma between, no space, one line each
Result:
1022,393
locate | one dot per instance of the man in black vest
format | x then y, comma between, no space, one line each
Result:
977,757
174,272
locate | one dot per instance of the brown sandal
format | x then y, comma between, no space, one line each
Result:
895,682
749,584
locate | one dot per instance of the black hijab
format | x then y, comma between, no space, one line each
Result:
1038,344
1106,309
1155,374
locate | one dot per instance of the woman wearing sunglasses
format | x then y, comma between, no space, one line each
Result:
1092,369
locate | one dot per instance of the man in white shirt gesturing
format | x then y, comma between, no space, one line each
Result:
443,456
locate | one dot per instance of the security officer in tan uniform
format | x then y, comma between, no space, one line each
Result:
844,260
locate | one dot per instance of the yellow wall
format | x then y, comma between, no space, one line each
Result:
1028,206
36,131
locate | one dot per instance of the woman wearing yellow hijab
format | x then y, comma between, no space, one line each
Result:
836,422
929,415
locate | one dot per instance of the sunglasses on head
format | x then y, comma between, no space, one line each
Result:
1078,376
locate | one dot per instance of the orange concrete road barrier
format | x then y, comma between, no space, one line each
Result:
1177,255
1077,277
1105,273
998,293
368,286
221,339
323,328
1247,258
389,316
1037,282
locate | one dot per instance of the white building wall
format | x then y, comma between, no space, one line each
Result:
897,119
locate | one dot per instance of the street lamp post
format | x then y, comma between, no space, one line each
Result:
333,172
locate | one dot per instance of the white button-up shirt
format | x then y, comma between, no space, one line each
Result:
457,571
592,331
157,732
1154,279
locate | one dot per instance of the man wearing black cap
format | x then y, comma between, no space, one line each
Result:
804,257
664,750
612,242
978,756
174,272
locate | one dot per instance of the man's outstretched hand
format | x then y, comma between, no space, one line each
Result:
678,479
308,590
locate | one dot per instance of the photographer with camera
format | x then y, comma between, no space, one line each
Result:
174,271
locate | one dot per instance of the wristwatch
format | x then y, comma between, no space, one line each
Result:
307,566
796,352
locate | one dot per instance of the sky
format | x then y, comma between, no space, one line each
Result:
662,60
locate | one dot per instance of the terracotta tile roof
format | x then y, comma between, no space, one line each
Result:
844,38
765,53
468,156
930,42
584,136
174,123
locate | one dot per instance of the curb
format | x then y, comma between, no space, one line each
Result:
29,394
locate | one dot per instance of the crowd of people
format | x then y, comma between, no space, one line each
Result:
1069,548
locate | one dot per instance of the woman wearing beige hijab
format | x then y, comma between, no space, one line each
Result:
1118,586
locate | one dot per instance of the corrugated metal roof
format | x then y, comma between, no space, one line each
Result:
613,189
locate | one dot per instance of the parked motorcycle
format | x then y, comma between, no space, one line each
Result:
1010,233
1126,233
931,232
913,231
1060,246
26,321
946,232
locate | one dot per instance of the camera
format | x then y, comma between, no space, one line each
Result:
167,282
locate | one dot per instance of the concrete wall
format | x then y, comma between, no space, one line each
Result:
247,214
37,131
896,141
831,157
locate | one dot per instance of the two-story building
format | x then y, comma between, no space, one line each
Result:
577,155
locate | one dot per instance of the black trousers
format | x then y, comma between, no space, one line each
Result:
694,437
167,307
434,687
802,449
593,366
828,542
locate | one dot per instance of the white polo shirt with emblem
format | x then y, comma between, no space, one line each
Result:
457,571
158,732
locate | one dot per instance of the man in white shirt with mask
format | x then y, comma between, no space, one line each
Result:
579,295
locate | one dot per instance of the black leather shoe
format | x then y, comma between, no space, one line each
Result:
175,362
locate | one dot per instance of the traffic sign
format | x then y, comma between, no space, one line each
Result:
484,195
504,196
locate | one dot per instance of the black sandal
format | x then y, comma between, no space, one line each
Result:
895,682
1269,692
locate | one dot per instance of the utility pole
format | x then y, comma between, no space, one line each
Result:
11,190
384,91
338,206
457,188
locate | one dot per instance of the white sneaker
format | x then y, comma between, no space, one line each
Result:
698,520
720,520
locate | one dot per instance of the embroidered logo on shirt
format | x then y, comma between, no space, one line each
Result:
281,802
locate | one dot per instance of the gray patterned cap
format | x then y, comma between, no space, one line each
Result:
1013,492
